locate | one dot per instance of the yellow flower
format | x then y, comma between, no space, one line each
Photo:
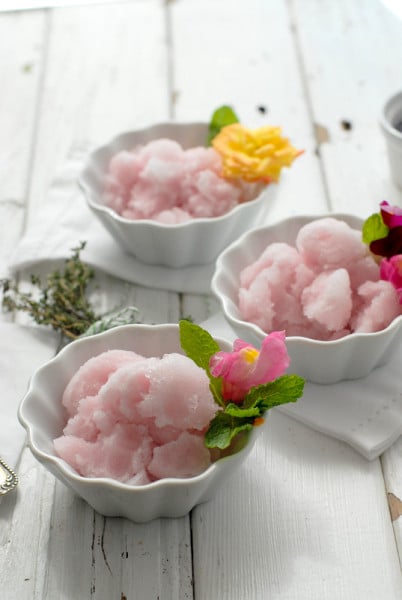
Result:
253,155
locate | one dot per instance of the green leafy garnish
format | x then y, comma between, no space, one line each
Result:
224,428
125,316
199,345
234,418
223,116
374,228
61,302
287,388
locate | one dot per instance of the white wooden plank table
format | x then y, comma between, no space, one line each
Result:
307,517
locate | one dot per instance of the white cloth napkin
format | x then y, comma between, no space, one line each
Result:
64,220
22,351
365,413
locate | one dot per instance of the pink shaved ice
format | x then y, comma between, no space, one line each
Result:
92,375
137,419
185,457
179,395
325,287
163,182
271,286
328,300
380,305
329,243
120,455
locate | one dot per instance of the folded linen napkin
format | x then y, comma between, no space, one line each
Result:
64,220
22,351
365,413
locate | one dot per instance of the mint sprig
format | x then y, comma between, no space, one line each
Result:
223,116
199,345
224,428
233,418
282,390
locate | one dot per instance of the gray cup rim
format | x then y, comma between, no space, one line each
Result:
389,110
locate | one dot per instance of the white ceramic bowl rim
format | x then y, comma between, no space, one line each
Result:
106,209
69,473
357,335
296,338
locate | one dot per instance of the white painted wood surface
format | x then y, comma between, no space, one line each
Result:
307,518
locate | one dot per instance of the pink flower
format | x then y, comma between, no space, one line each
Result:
391,270
391,215
246,367
391,244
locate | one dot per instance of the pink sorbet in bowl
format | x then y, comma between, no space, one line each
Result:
137,419
158,193
324,286
167,183
314,278
119,418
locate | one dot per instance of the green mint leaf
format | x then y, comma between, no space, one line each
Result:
223,428
199,345
374,228
234,410
223,116
287,388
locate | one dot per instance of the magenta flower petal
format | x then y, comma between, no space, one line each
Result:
245,367
239,344
273,359
391,270
235,369
223,363
391,215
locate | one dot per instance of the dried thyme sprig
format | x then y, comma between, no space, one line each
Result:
125,316
62,303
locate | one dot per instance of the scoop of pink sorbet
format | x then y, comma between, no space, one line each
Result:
329,243
328,300
377,306
163,182
269,295
137,419
324,287
92,375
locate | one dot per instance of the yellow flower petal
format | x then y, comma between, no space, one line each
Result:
253,155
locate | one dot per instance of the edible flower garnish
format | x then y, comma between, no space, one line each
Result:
246,367
382,232
245,383
254,155
251,155
391,270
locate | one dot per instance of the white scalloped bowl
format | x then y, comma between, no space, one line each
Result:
326,362
195,242
42,415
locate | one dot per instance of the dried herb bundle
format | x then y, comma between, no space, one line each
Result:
61,302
